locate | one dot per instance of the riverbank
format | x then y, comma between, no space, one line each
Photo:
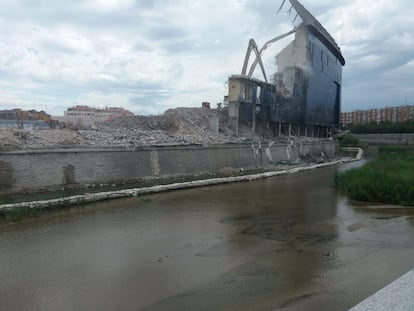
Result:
387,179
15,211
386,138
57,169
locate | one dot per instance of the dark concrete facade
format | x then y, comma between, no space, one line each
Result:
304,98
310,75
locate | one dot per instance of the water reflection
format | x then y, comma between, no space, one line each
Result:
289,242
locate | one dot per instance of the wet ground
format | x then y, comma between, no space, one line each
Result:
289,243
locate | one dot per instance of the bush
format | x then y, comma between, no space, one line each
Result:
348,140
387,179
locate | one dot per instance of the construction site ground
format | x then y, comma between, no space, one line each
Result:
179,126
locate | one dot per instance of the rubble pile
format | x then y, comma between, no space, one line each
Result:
179,126
17,138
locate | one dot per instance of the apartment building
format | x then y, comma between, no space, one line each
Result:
377,115
86,116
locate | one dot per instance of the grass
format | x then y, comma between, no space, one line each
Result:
389,178
348,140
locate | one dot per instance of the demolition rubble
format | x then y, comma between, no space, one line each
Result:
179,126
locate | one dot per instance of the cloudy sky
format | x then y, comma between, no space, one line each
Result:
151,55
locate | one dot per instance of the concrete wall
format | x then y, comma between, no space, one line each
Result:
387,139
37,170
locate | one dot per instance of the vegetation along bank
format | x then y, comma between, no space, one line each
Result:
389,178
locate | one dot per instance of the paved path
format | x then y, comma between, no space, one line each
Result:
397,296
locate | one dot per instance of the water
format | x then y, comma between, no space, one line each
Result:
290,243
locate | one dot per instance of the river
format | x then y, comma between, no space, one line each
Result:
290,242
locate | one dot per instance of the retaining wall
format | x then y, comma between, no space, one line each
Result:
387,139
37,170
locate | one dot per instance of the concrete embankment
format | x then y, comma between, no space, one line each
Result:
56,169
387,139
358,152
94,197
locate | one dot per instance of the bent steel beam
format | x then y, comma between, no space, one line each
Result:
265,46
253,46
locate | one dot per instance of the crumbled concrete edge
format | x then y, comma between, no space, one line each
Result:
133,192
357,150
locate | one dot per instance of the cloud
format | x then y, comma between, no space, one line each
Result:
152,55
375,41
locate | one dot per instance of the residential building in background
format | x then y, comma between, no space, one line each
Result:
85,116
377,115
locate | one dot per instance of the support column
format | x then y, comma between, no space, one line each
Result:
254,118
155,166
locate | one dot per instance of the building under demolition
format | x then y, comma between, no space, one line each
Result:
304,96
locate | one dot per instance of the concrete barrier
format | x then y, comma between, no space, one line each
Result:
399,295
387,139
41,170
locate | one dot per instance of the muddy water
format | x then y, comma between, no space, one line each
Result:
290,243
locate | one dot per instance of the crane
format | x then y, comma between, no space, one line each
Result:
253,46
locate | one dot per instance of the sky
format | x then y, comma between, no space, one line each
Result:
151,55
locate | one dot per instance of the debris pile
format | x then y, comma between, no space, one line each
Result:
179,126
